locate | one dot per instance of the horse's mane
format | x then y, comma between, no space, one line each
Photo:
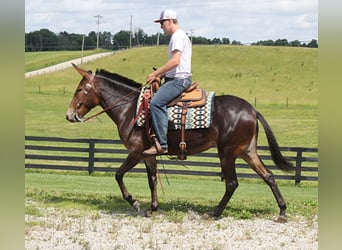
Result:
117,77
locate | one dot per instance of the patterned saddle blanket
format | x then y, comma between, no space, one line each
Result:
196,117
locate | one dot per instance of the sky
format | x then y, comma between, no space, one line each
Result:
246,21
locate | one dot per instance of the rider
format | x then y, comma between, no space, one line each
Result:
177,73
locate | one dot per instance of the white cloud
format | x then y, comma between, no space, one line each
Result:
304,22
243,20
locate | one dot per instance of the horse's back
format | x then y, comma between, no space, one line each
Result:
233,105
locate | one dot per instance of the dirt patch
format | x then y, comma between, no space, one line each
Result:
51,228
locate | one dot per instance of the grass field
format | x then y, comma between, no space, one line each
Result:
252,199
38,60
281,81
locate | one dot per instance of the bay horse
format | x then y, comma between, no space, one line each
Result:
234,131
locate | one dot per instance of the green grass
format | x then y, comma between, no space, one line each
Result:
38,60
282,80
100,192
270,74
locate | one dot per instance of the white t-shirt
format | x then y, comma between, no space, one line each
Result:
180,41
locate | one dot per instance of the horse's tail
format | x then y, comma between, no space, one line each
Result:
282,162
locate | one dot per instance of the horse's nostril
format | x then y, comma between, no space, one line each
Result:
70,118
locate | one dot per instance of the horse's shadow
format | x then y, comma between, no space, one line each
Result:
116,205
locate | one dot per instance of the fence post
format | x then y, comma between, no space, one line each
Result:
298,166
91,156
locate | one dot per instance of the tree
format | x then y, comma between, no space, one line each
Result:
266,43
295,43
63,41
281,42
164,39
152,40
140,37
216,41
41,40
91,40
234,42
225,41
44,40
48,39
121,39
106,39
76,41
32,41
200,40
313,44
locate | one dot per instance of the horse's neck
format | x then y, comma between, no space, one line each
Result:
119,99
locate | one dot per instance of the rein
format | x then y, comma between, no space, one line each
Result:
113,104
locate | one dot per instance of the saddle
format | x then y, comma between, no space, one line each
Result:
192,97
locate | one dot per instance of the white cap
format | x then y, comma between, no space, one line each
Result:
165,15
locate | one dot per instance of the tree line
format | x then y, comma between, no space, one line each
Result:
46,40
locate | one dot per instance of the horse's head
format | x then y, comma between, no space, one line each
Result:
85,97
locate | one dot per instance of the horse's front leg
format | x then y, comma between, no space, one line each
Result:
132,160
151,169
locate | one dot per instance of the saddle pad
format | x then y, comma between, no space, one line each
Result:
198,117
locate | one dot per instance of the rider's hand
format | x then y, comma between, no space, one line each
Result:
151,77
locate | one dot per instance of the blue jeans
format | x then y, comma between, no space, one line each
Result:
165,94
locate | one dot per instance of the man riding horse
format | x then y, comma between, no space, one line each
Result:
177,73
233,129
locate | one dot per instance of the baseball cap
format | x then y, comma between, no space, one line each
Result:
165,15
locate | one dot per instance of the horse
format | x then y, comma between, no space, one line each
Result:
233,131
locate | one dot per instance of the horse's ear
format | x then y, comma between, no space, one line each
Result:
82,72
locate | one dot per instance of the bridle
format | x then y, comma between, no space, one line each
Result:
90,86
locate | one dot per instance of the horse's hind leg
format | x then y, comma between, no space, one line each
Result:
258,166
231,182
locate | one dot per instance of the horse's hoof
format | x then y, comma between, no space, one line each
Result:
154,208
210,216
136,205
148,213
281,219
207,216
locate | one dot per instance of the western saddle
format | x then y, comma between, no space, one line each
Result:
192,97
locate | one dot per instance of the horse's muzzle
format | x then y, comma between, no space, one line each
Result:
72,116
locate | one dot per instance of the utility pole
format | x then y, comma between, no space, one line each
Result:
137,36
98,29
82,49
130,33
191,33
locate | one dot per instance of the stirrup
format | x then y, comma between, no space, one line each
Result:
157,144
182,152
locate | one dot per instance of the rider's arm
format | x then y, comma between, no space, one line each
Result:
172,63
